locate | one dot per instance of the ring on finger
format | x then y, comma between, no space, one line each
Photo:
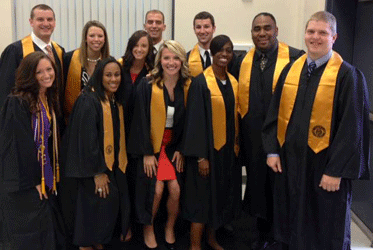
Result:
99,190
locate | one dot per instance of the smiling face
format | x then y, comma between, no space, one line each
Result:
43,23
170,63
141,49
111,78
45,74
319,39
204,31
155,26
223,57
95,39
264,33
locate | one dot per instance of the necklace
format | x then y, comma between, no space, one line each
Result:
94,60
112,99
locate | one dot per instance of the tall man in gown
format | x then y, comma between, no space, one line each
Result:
154,25
318,124
199,58
42,21
258,77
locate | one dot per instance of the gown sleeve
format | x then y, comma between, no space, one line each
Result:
295,53
196,132
269,131
66,64
139,143
19,165
348,153
9,62
82,145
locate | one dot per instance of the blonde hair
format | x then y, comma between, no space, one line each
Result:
325,17
175,47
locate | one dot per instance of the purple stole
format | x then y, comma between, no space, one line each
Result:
41,128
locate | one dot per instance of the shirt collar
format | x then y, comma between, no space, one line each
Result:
40,43
322,60
156,46
269,52
202,51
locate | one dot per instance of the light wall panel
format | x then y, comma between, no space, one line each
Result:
120,17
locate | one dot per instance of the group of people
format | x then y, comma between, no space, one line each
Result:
88,143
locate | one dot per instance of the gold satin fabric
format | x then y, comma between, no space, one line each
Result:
218,110
73,83
283,58
194,61
28,48
322,109
109,137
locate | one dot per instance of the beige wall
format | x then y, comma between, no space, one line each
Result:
234,17
5,23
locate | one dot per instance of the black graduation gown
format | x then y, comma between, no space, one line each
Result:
130,93
214,200
10,60
306,216
140,144
258,200
129,100
82,156
25,219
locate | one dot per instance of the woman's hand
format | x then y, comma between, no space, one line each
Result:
150,165
203,167
38,187
102,185
179,158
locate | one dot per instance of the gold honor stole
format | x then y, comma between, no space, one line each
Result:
120,60
218,110
322,109
28,47
158,114
195,63
283,58
73,83
109,137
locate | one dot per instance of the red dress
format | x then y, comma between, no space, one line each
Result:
166,170
134,77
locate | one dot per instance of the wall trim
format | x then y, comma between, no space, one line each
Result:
362,226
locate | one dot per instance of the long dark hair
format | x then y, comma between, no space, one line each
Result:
128,57
27,86
96,80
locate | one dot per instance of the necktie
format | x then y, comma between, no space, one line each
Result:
208,59
311,68
263,62
48,48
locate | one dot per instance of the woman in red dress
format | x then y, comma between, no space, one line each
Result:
155,138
